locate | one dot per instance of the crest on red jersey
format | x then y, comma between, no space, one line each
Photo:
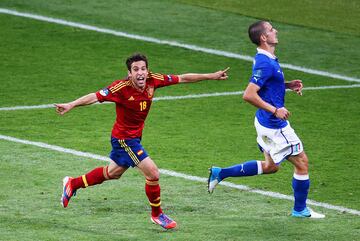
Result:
150,91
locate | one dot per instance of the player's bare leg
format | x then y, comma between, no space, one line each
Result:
269,166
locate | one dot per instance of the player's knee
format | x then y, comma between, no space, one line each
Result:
113,172
153,174
302,164
274,169
270,167
115,176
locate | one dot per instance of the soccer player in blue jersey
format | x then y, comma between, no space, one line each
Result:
275,137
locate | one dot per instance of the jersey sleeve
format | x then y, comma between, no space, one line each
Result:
161,80
109,93
262,71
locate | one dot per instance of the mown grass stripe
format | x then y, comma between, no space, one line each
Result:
171,43
181,175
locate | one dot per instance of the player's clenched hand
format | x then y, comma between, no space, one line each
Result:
295,85
222,74
282,113
63,108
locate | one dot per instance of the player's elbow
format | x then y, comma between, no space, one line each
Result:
183,78
246,97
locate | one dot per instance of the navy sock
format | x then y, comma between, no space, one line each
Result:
249,168
300,184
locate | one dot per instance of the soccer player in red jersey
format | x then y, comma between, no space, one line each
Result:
133,97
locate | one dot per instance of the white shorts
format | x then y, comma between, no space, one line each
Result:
279,143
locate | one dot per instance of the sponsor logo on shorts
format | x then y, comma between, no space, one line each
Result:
297,147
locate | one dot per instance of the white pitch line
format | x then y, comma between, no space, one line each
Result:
170,43
193,96
181,175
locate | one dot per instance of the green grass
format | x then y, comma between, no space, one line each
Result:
105,212
83,61
337,16
301,44
46,63
218,141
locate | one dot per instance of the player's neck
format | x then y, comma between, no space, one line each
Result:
138,88
268,48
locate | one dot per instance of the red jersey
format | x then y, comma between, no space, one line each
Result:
132,105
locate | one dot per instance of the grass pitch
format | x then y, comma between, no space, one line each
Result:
46,63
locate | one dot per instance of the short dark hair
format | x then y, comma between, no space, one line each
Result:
134,58
255,31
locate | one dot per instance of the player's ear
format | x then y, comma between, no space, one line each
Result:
263,37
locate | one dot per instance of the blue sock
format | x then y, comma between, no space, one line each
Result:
300,184
249,168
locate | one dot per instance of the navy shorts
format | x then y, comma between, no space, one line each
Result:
127,153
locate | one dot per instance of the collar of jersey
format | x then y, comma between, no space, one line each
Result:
262,51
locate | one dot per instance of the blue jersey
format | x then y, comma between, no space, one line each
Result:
268,75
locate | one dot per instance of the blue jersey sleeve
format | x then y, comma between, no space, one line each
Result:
262,71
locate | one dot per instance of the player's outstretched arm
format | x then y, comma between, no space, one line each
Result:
84,100
190,78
